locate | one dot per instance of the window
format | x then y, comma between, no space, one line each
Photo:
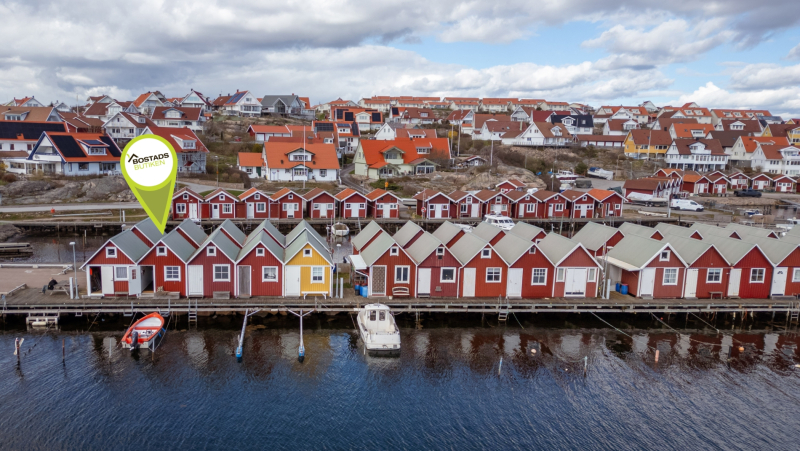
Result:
757,275
664,257
161,251
120,273
714,275
530,208
83,166
394,251
539,276
306,252
211,251
493,275
323,172
796,275
269,274
532,250
448,275
261,207
559,207
401,274
260,252
111,252
290,197
592,275
486,253
440,251
172,273
560,275
317,274
180,209
227,208
222,273
670,276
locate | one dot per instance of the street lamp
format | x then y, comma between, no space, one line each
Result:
74,267
216,157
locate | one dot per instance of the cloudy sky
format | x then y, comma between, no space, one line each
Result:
718,53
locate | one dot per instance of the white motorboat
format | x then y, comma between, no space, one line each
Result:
340,229
503,222
377,328
566,176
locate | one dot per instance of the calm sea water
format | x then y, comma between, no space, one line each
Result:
446,390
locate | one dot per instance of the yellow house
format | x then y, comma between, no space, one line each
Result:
646,143
308,266
792,132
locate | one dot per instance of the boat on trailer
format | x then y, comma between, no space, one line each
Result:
377,328
142,333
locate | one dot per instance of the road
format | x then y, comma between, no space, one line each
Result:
69,207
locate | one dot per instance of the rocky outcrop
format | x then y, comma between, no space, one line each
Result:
7,231
105,189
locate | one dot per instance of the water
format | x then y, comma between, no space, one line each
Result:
442,392
56,249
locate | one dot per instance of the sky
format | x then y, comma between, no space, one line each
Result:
717,53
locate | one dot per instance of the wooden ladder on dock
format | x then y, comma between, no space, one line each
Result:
794,313
193,312
502,316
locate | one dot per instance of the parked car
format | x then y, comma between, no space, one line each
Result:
749,192
583,183
685,204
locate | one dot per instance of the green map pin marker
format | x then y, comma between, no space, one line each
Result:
150,166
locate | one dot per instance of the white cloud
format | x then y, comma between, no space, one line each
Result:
785,100
794,53
763,76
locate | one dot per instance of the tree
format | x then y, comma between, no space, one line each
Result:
581,168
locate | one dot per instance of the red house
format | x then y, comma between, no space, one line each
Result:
523,204
719,183
465,205
494,202
287,204
320,203
212,267
750,271
383,204
219,204
433,204
761,182
550,205
598,238
607,203
437,268
408,234
259,268
739,180
391,271
695,183
352,204
253,204
783,183
576,271
164,265
510,185
530,273
650,268
112,270
483,271
186,204
707,270
785,256
580,204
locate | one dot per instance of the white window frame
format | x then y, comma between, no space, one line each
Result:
754,271
228,271
664,276
394,251
116,273
560,275
180,209
407,274
161,251
227,209
261,207
661,256
211,251
264,277
796,275
307,253
486,253
543,276
441,275
260,252
559,207
490,270
440,251
112,254
530,207
591,275
322,271
167,277
715,271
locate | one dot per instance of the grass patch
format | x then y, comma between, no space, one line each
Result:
232,192
381,184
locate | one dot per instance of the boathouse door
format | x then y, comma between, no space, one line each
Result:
244,281
733,282
107,279
293,280
648,282
251,210
691,283
575,282
476,212
387,210
469,283
779,281
214,211
514,287
424,282
193,211
378,281
195,280
134,281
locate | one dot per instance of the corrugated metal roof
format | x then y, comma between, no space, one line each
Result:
268,242
555,247
675,230
267,227
731,249
636,250
754,231
408,231
301,227
300,242
446,232
689,249
629,228
366,234
511,247
706,230
423,247
149,229
179,245
223,243
467,247
486,231
775,250
194,231
130,245
233,231
525,230
377,247
594,235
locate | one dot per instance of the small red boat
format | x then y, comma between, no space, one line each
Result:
142,333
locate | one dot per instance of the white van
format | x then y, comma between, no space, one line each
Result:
685,204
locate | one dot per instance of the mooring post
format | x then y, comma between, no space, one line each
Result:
63,349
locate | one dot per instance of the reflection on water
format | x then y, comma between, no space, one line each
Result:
56,249
446,390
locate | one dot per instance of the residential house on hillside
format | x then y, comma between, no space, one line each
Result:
24,102
665,122
619,127
325,108
29,114
251,163
81,124
531,114
382,104
647,144
465,119
636,113
285,104
125,126
752,128
691,110
701,155
495,105
539,134
390,131
457,104
195,100
405,115
179,117
148,101
555,106
600,141
494,130
717,115
297,162
689,131
344,135
23,136
745,146
191,151
262,133
577,124
381,159
242,103
776,159
71,154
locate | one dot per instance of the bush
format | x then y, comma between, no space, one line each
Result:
9,178
581,168
381,184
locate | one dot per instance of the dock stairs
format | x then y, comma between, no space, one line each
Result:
502,316
192,312
794,313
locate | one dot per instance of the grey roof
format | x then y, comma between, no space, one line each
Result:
422,248
179,245
130,245
790,237
366,234
556,247
689,249
300,242
408,231
467,247
149,229
270,100
233,231
268,242
525,230
446,232
731,249
301,227
794,231
267,227
675,230
754,231
194,231
486,231
511,247
636,250
706,230
629,228
775,250
594,235
378,247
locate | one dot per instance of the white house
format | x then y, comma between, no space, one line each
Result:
147,102
538,134
24,102
701,155
243,104
284,104
179,117
619,126
195,100
191,151
125,126
777,160
577,124
298,162
71,154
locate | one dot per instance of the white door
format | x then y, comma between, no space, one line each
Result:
193,211
550,211
292,281
476,211
353,210
779,281
424,281
215,211
469,282
251,210
107,279
438,210
497,209
387,211
195,280
134,281
648,282
514,285
323,210
691,283
575,282
733,282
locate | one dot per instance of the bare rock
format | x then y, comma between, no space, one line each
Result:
25,188
7,231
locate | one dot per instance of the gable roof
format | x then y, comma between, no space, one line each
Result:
187,113
273,247
28,130
252,159
304,226
556,247
377,248
629,228
423,247
128,243
366,234
409,230
346,194
251,192
180,246
234,232
594,235
194,231
487,231
749,230
635,252
266,226
438,148
149,229
429,194
650,137
69,147
688,248
300,242
467,247
316,192
376,193
511,247
323,156
447,231
526,231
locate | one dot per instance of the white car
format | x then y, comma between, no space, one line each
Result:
503,222
685,204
